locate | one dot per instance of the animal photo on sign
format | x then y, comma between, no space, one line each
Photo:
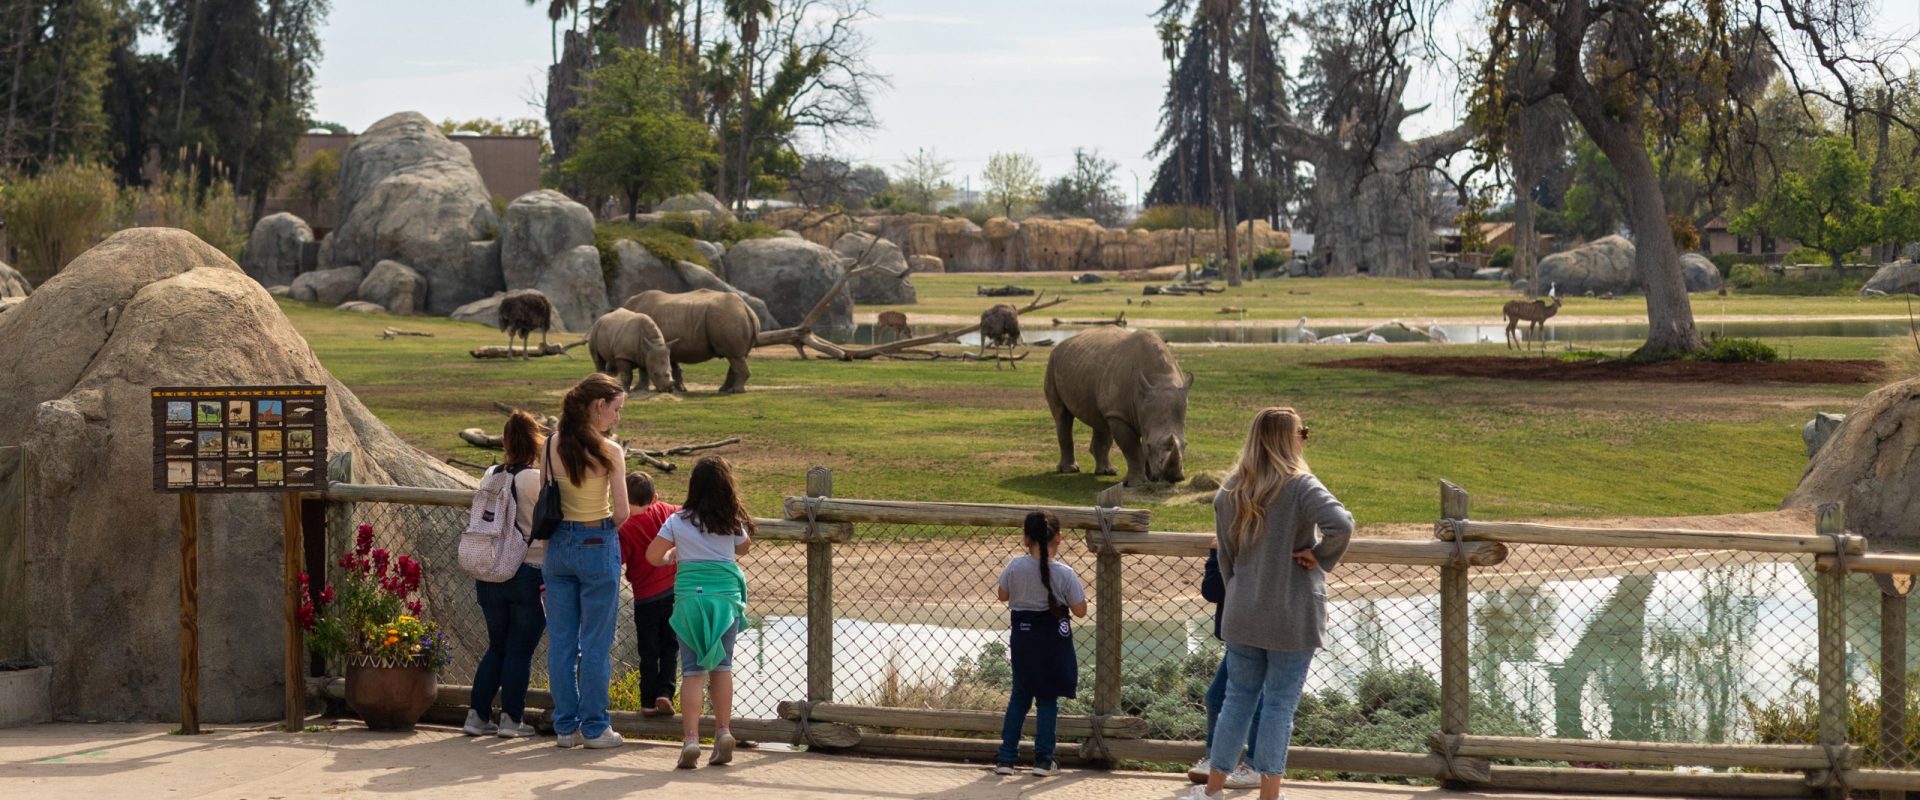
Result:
209,473
180,445
271,473
237,413
180,412
269,412
239,474
300,412
269,442
210,443
299,441
239,443
299,473
209,412
179,473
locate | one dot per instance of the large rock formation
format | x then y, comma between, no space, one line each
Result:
1600,266
410,194
329,286
157,307
888,283
573,282
274,248
1871,462
1699,273
1899,277
640,270
1031,245
792,275
12,283
395,287
698,204
539,227
485,311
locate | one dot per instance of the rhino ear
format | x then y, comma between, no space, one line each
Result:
1145,385
1188,387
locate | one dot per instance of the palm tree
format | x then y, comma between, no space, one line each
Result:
716,81
557,9
1172,36
747,15
1220,14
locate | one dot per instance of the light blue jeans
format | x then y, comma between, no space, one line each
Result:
1272,680
583,596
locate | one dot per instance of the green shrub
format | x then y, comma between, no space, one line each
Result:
1796,720
1751,276
1582,356
1807,255
664,244
1738,351
57,215
178,200
1270,261
1727,261
682,223
1502,258
1169,218
733,233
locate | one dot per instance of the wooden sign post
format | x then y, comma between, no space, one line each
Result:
262,439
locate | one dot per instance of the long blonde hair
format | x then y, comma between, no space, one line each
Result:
1270,460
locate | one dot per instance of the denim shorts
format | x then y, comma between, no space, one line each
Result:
690,666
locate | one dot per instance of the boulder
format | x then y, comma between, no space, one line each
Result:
12,283
927,265
410,194
539,227
711,251
1489,274
1871,463
573,282
1911,252
888,284
157,307
486,311
791,275
329,286
1600,266
282,290
273,249
1450,269
1899,277
640,270
8,303
361,307
1299,268
394,287
703,203
1699,273
1819,429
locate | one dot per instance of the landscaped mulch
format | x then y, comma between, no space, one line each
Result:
1553,369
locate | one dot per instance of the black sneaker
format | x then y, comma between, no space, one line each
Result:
1045,769
1003,769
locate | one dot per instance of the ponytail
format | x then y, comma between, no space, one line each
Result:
583,449
1041,528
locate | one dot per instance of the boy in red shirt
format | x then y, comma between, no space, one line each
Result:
652,595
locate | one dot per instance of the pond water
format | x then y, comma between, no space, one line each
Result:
1266,332
1673,655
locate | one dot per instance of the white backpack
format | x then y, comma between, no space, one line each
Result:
492,547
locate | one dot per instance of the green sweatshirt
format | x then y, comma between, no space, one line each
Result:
708,598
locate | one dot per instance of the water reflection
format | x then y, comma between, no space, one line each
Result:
1285,332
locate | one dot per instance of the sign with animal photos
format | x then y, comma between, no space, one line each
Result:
239,439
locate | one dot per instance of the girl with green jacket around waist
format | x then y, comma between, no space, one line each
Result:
706,538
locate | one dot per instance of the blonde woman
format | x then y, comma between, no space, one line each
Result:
1278,533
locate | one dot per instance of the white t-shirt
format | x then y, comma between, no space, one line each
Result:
1025,592
693,544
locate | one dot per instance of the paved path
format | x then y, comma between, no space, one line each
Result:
144,761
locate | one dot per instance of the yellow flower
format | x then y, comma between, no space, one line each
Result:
393,631
405,618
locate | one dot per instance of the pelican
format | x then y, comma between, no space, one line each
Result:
1338,338
1374,338
1305,336
1435,333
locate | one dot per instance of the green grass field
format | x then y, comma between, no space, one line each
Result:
967,432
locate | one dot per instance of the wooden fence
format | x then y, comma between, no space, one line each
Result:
1456,755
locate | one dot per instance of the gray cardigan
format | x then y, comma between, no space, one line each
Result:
1272,603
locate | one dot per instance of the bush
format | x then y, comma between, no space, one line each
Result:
732,233
1797,721
1271,261
57,215
178,200
1581,356
1502,257
1727,261
1738,351
665,244
1751,276
1169,218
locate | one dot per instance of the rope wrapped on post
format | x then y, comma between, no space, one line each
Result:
813,523
1095,747
1455,531
803,727
1839,551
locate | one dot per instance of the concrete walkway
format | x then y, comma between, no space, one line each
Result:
144,761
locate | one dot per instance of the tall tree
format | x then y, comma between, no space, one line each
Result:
747,15
1185,144
1221,15
634,140
1830,208
1088,191
1172,34
54,70
921,179
1012,180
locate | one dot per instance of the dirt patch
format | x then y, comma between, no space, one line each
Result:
1804,371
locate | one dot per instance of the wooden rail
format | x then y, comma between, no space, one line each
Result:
778,530
1414,552
1758,756
1075,726
1654,538
1646,781
1873,563
1311,759
982,515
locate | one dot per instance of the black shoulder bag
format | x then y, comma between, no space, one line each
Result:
546,512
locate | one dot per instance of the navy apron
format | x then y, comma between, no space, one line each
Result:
1043,659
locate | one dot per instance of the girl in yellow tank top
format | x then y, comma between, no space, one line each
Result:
583,563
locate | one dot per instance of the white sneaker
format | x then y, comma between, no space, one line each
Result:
1047,769
478,725
514,729
689,755
722,750
1200,769
1198,793
567,740
1243,777
1003,769
607,738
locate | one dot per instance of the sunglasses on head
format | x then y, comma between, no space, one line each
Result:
1304,430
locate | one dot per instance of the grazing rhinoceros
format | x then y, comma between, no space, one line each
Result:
1126,387
702,325
622,340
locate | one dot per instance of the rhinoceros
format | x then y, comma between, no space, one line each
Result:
1127,387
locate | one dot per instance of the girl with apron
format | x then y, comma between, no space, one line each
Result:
1040,593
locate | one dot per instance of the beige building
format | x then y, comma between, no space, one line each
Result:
509,165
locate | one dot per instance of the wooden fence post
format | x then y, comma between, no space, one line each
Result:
292,557
189,613
1108,635
819,599
339,514
1893,676
1455,698
1830,593
15,620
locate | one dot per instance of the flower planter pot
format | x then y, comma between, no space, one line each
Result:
389,698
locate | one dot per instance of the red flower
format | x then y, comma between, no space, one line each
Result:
305,616
326,595
380,561
413,607
409,573
363,540
348,562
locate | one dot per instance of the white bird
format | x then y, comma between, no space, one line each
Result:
1338,338
1435,333
1305,336
1553,288
1374,338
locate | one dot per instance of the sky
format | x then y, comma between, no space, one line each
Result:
969,78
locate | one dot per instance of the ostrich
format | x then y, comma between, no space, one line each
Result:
522,312
1000,328
1304,335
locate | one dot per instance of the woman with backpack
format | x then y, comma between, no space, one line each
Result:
512,609
589,472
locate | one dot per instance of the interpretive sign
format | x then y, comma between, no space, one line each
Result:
239,438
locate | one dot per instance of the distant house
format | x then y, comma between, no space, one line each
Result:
509,165
1495,234
1716,238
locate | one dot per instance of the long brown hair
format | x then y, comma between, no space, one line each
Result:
1269,460
521,439
713,499
580,445
1041,528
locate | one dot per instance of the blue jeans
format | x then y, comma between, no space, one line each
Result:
1272,681
515,622
1045,717
583,596
689,663
1216,694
